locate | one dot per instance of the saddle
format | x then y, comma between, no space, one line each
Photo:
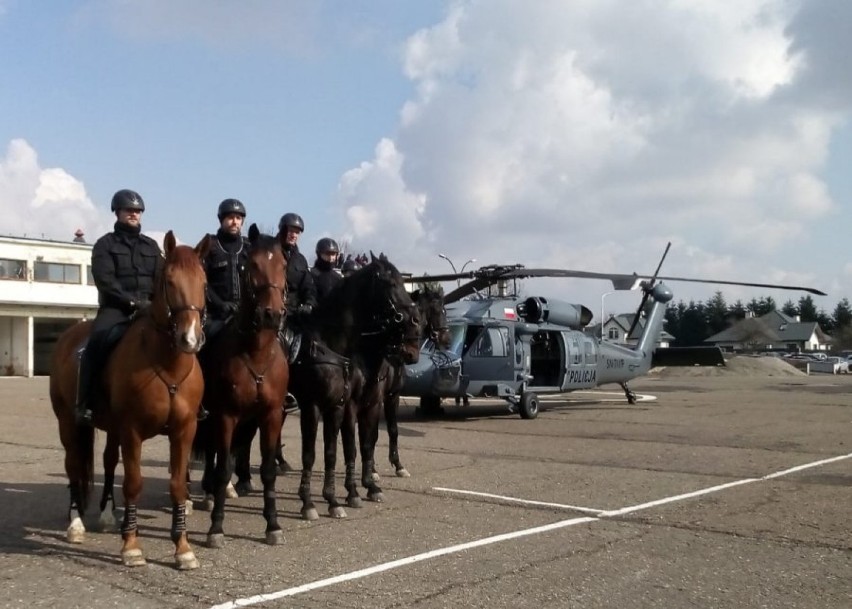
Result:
102,348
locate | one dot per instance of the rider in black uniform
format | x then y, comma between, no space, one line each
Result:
325,271
301,290
224,265
124,263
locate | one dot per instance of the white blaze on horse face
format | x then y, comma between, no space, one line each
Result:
269,256
192,336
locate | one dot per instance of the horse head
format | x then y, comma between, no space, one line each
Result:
178,307
264,290
430,302
391,312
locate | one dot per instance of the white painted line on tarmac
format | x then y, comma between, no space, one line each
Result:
562,506
395,564
618,396
261,598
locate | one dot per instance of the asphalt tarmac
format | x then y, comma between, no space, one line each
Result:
721,492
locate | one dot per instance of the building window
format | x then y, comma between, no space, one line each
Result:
90,279
613,334
13,269
56,272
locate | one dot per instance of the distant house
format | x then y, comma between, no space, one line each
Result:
773,331
615,330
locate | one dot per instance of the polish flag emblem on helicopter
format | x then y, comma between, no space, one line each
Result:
509,313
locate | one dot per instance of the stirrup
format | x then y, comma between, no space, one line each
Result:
290,403
84,416
203,413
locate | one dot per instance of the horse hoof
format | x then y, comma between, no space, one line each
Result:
242,489
375,477
354,502
336,511
76,532
189,507
275,538
216,541
377,497
186,561
402,473
231,492
310,514
106,522
133,558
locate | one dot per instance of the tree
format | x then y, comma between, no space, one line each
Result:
842,315
693,325
717,314
807,308
824,321
766,304
737,310
789,308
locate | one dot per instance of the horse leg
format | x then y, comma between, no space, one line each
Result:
269,440
391,411
107,506
207,478
181,433
368,434
331,420
242,464
131,455
350,454
79,441
283,466
309,420
224,433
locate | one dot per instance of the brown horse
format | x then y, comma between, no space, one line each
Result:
152,384
247,376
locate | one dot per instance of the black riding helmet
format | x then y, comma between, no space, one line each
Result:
292,220
350,266
127,199
231,206
327,245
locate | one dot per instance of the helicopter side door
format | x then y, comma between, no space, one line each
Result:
581,357
489,360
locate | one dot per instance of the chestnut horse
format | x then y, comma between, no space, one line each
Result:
152,384
247,376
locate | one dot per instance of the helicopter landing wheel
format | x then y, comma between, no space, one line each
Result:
631,398
528,406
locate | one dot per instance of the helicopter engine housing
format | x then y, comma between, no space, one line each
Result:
538,309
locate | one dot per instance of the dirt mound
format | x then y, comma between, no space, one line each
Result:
736,365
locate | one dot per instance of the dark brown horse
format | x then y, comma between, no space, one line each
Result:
247,376
367,317
430,304
152,384
393,339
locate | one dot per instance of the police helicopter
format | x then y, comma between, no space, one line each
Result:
503,346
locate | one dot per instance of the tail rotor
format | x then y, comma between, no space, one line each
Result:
647,287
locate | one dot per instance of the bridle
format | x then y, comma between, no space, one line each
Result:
251,291
171,329
390,322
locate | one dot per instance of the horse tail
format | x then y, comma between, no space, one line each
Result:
85,440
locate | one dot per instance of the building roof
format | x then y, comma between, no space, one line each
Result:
774,327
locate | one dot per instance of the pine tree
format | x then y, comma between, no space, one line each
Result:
807,308
789,308
842,315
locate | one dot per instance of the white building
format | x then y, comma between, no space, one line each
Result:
45,287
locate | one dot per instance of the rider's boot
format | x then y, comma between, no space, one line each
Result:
82,410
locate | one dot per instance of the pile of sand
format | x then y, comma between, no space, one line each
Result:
735,365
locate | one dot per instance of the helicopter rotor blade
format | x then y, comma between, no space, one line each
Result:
749,284
647,291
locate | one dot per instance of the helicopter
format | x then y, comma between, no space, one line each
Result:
516,349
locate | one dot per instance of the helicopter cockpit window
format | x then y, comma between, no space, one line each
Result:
491,342
457,338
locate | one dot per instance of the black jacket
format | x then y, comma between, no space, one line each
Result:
124,263
224,265
326,277
300,283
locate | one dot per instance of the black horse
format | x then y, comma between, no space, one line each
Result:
367,318
430,304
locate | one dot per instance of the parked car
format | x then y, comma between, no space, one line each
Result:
841,366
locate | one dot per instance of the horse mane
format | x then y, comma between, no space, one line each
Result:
265,242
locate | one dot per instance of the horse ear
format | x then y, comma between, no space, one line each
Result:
254,233
372,256
169,243
203,247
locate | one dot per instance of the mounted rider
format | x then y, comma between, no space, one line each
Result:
325,270
124,264
224,264
301,290
350,265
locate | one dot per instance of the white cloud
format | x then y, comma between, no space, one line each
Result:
49,202
586,134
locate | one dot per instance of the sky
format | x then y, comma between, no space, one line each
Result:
581,135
